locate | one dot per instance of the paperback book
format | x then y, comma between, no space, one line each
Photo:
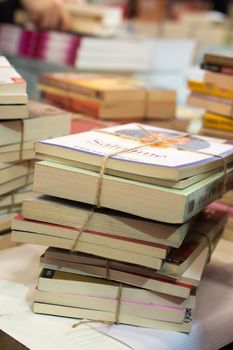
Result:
142,150
85,293
131,274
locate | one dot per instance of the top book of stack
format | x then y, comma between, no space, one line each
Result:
145,170
12,85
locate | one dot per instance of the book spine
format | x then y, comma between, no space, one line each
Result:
215,68
218,122
204,196
219,60
69,86
211,89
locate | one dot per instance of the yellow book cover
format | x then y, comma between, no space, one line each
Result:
211,89
218,122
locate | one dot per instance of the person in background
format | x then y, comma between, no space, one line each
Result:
49,14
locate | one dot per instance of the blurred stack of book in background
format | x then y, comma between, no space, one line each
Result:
21,124
84,53
215,95
120,208
111,98
155,20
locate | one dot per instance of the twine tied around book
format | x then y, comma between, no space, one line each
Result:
107,156
116,315
118,305
117,312
82,229
153,142
107,323
22,130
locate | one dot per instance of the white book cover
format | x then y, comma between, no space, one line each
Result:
198,149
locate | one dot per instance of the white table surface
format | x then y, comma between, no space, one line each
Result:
212,326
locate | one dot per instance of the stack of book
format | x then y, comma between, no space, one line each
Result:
121,54
108,97
15,178
115,54
215,95
121,210
21,125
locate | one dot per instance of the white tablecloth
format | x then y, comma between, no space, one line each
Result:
212,326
